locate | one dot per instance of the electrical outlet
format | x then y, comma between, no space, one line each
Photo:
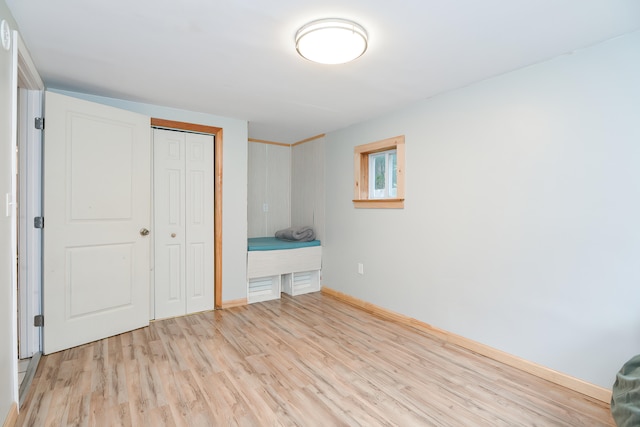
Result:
360,268
265,207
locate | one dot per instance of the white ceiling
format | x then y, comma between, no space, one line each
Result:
237,58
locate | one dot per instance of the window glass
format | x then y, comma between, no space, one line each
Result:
393,178
380,175
383,175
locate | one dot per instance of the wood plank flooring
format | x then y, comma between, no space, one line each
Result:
309,360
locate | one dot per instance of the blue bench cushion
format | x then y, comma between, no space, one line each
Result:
273,244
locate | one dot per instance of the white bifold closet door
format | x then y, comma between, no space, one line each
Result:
183,222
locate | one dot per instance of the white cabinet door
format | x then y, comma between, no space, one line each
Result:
96,204
183,222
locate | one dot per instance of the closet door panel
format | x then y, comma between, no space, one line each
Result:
169,222
199,222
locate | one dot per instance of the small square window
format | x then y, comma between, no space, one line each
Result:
379,174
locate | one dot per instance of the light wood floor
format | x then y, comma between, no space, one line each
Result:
307,360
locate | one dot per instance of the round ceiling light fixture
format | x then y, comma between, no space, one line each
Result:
331,41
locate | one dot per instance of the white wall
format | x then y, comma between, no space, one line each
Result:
307,186
290,180
234,184
521,227
8,314
268,184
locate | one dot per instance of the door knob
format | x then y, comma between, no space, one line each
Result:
173,235
144,232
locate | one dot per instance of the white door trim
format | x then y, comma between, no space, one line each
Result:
30,197
30,238
28,76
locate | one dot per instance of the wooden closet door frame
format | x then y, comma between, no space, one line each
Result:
217,194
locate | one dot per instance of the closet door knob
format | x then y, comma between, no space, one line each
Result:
144,232
173,234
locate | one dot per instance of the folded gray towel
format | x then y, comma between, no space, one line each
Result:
297,234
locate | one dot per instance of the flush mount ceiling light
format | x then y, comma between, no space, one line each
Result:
331,41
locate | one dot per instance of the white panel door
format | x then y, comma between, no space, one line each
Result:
169,222
199,226
96,206
183,222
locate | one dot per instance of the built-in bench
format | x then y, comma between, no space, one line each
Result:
275,266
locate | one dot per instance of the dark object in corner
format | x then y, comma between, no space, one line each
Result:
296,234
625,400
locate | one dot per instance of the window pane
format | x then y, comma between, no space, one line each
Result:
383,167
379,172
393,178
377,177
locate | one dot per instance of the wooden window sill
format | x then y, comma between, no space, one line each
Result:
379,204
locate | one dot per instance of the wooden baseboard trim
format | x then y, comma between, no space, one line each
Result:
572,383
12,416
234,303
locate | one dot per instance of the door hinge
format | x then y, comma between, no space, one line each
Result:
38,222
39,123
38,320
